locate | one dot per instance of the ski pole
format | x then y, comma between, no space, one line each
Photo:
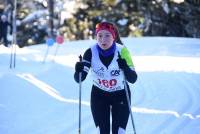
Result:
11,57
56,52
128,98
80,75
46,54
14,32
13,47
15,55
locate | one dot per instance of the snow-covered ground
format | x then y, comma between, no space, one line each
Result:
42,98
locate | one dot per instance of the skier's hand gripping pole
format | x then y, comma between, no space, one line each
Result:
127,96
80,76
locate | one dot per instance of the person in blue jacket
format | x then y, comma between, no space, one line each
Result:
108,94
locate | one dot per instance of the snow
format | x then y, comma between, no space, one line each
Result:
42,98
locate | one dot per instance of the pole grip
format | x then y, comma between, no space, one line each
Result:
119,56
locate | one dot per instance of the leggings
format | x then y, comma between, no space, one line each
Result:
103,103
5,41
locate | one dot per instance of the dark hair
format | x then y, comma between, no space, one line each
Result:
117,38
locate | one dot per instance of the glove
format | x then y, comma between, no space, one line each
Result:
122,63
79,67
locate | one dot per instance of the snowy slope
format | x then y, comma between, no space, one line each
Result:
42,98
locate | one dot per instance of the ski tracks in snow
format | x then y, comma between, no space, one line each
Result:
48,89
191,87
186,113
55,94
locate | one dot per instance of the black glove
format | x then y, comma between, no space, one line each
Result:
122,63
79,67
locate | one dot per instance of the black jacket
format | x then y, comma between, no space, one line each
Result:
130,75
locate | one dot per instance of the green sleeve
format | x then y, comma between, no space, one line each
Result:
127,56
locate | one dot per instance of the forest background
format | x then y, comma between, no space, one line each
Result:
76,19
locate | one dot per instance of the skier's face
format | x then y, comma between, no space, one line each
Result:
104,39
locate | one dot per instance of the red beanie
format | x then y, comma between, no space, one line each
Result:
106,26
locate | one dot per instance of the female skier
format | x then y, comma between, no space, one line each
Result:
108,94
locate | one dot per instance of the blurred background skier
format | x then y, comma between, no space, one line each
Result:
4,24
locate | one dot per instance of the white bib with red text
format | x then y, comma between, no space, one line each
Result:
108,79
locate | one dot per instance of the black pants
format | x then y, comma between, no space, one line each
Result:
103,103
5,41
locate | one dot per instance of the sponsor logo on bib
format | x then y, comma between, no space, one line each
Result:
115,72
